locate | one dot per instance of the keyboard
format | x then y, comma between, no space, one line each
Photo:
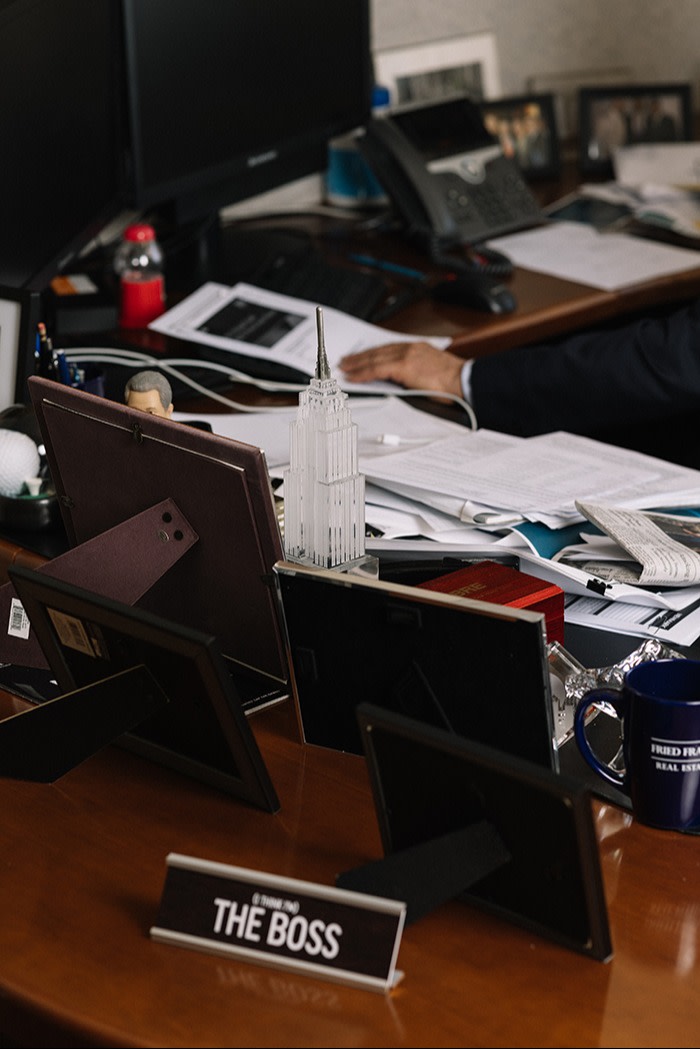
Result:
311,277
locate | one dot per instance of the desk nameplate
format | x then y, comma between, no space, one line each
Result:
347,937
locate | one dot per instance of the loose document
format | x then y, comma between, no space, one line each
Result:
526,487
577,252
250,321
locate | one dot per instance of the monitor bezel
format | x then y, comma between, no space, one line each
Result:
20,311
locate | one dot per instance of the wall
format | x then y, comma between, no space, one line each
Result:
656,41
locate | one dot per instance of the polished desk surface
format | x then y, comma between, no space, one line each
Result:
548,307
83,866
82,872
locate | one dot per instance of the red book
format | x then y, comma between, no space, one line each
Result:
503,585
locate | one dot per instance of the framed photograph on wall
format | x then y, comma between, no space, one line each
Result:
525,126
19,316
464,65
619,115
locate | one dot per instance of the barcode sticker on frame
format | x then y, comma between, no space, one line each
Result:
19,620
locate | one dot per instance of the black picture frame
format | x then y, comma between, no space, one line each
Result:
622,115
526,128
20,312
476,668
88,640
429,785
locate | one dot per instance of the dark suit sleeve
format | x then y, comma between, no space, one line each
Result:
645,371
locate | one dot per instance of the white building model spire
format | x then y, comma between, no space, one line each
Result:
324,494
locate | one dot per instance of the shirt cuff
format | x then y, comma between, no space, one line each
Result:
466,381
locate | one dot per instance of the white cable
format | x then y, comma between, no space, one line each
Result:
98,355
464,405
270,385
129,359
136,357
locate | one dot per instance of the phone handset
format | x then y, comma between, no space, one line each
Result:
415,192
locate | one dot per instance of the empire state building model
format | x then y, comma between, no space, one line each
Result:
324,494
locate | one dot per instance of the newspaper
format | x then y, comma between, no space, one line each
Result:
666,547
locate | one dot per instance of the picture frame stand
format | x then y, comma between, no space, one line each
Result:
427,875
44,742
122,563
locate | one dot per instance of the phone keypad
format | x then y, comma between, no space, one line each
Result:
502,202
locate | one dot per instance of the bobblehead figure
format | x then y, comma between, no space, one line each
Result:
150,392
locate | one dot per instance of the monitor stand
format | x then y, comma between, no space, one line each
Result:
227,253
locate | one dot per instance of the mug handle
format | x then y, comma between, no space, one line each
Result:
597,695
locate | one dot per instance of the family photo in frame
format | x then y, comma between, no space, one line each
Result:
526,129
612,117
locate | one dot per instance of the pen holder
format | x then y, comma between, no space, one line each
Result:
30,513
93,380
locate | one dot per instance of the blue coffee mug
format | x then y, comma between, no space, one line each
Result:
659,707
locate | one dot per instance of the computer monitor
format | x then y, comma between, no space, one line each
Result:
228,100
61,132
109,463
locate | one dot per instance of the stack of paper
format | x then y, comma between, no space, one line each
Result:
487,477
437,488
435,485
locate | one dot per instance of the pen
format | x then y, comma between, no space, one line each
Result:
64,372
46,365
388,267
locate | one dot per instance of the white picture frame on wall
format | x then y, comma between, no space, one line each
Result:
19,316
460,65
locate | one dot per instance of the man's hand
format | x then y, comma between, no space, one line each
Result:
415,365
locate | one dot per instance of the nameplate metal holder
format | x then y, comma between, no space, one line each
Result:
336,934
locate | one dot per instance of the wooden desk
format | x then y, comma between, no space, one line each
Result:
83,866
547,306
